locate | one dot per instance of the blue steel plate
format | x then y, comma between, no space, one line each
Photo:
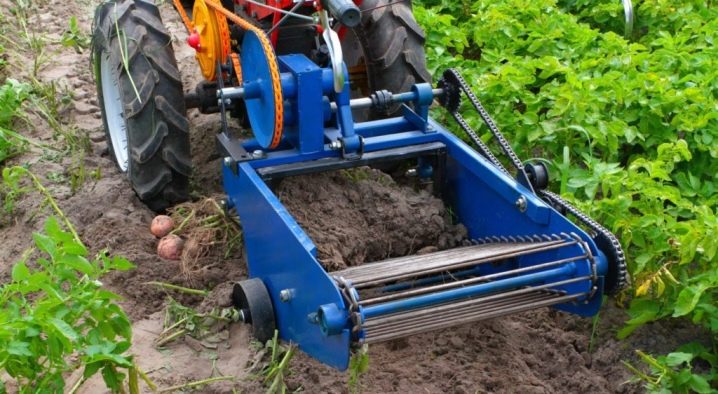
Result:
255,67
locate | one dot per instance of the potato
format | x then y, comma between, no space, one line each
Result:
170,247
161,225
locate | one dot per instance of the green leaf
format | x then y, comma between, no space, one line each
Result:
121,264
44,243
19,348
20,272
688,299
677,358
700,385
78,263
113,378
65,329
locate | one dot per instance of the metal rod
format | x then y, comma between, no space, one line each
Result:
449,295
471,318
445,258
430,311
401,265
366,102
485,306
300,16
285,17
435,268
234,92
460,283
444,277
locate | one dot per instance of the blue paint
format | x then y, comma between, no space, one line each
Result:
537,278
255,70
279,252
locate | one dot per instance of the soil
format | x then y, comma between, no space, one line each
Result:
353,217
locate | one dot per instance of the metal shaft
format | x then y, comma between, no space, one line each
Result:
373,274
438,321
461,283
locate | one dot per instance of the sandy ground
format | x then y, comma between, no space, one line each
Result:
536,352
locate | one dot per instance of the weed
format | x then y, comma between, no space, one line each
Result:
594,329
124,52
196,384
358,366
276,369
74,37
181,320
675,372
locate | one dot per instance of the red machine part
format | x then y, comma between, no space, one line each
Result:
259,12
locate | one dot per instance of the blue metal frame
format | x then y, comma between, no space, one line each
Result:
483,197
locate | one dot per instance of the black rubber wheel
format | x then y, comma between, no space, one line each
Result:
140,93
538,175
390,46
252,299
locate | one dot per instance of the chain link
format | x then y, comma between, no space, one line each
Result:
617,277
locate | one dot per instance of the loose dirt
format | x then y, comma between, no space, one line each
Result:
353,217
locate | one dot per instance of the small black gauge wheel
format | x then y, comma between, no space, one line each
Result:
252,299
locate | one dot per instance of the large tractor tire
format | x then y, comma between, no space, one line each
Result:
390,46
140,93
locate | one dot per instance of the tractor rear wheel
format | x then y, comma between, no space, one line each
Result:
390,47
142,101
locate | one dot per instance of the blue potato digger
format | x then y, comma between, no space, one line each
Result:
332,85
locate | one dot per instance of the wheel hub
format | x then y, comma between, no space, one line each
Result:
214,44
116,125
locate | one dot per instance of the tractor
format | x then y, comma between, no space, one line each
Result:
328,85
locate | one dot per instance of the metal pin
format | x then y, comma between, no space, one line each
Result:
335,145
286,295
521,204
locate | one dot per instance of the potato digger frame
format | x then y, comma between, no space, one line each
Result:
309,112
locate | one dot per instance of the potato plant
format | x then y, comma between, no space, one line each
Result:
630,127
55,316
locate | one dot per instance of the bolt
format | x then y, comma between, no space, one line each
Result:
219,102
223,204
286,295
228,161
521,204
258,154
411,172
335,145
227,101
430,128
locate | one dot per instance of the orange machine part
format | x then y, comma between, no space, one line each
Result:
214,41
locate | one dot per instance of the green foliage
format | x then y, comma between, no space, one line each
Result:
630,127
677,372
358,366
56,317
55,307
275,369
74,37
181,320
12,95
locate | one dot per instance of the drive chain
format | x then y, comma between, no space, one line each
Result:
617,276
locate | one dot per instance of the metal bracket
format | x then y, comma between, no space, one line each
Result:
232,148
330,164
